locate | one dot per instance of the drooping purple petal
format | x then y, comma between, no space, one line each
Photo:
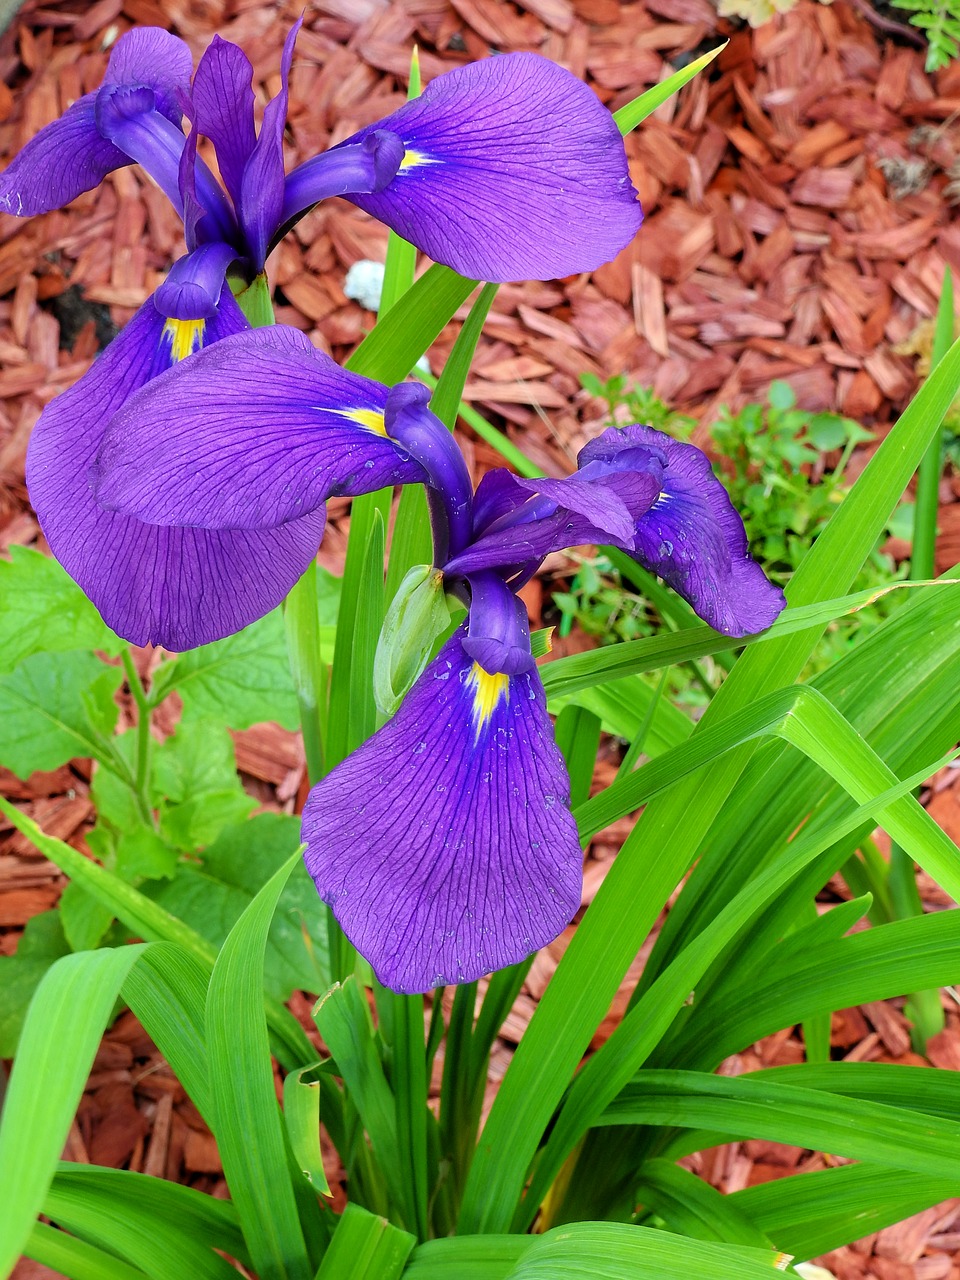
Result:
223,109
70,155
255,431
693,537
262,184
444,844
551,515
514,170
175,587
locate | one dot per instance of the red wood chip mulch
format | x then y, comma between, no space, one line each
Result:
798,223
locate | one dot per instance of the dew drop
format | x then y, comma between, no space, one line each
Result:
419,749
665,548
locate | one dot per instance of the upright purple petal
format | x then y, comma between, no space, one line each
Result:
693,537
175,587
262,185
70,155
514,170
153,57
255,431
223,109
444,844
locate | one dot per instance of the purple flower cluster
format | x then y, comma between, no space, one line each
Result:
182,482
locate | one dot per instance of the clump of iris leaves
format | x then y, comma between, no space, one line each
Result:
776,788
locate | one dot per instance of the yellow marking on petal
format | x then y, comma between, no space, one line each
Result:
369,419
186,337
414,159
487,691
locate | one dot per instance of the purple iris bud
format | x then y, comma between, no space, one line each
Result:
445,844
512,169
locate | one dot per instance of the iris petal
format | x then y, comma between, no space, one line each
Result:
513,170
262,185
693,537
223,109
175,587
70,156
256,430
444,844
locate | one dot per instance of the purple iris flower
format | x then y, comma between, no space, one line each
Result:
505,169
445,844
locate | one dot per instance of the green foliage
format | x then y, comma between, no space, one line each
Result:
939,20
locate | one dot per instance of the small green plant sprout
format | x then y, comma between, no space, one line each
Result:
939,20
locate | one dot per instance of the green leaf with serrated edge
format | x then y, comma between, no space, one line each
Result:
44,610
301,1114
366,1247
135,1197
692,1207
241,680
753,1106
195,784
68,1256
85,921
823,1210
608,938
55,707
211,895
41,943
60,1036
248,1125
636,112
147,919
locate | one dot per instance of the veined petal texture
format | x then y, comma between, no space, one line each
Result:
253,431
445,844
223,101
70,156
692,536
513,170
175,587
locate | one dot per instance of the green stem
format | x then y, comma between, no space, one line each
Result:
144,740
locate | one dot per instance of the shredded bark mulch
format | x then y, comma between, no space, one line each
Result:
799,217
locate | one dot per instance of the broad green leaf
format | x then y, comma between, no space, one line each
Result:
85,921
138,1199
753,1106
239,681
691,1207
75,1258
248,1125
125,838
345,1025
195,784
60,1036
41,943
365,1247
57,706
45,611
615,1251
164,1250
211,895
636,112
147,919
167,991
820,1211
668,837
301,1114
